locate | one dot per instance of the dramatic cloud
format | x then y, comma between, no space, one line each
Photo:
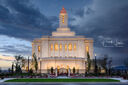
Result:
103,20
21,19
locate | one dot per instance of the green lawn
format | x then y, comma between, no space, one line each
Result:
62,80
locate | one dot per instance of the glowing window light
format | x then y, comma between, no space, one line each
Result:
58,67
87,49
38,48
65,47
74,46
62,19
51,47
60,47
70,47
56,47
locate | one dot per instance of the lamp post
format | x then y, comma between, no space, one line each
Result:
95,65
28,63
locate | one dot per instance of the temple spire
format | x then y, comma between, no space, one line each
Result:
63,29
63,18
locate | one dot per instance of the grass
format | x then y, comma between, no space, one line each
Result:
62,80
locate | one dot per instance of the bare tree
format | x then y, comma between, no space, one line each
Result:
19,63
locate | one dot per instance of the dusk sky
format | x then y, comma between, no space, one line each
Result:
106,21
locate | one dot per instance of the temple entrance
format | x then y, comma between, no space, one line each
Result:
62,71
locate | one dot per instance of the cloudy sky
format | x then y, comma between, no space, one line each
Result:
106,21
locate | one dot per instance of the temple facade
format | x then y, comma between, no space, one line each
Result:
62,50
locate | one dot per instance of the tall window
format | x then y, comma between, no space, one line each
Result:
65,47
70,47
60,47
87,49
74,47
38,48
62,19
56,47
51,47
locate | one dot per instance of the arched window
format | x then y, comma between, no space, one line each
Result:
56,47
70,47
65,47
87,49
60,47
74,47
38,48
51,47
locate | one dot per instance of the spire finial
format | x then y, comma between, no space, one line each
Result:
63,10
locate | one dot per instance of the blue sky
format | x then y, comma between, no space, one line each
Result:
103,20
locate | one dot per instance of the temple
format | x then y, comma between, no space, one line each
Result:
63,50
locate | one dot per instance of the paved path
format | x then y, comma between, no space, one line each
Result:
2,80
121,79
63,83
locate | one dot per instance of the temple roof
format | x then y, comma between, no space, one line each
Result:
63,10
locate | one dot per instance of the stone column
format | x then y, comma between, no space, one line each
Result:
56,72
68,72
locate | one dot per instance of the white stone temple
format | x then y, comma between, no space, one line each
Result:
62,50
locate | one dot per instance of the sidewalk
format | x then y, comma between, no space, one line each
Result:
2,80
121,79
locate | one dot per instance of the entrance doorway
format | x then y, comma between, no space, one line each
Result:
62,71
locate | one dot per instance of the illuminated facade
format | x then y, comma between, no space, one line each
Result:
62,50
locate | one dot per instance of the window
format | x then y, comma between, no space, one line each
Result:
70,47
87,48
38,48
56,47
51,47
74,47
63,19
65,47
60,47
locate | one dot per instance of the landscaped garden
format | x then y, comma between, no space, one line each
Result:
62,80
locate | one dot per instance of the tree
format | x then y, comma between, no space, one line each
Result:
31,71
89,62
23,61
103,63
35,62
74,70
19,63
51,70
